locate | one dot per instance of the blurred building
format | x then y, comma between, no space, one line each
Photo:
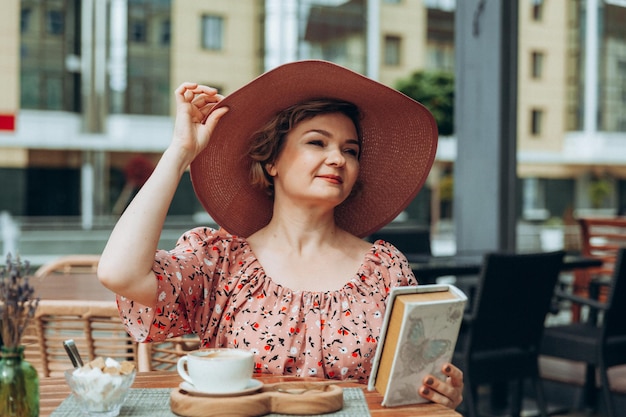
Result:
572,102
87,89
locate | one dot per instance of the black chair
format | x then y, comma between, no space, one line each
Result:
600,343
500,338
408,239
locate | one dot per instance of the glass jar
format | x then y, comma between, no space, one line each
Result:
19,384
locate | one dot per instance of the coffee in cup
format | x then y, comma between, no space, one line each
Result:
218,370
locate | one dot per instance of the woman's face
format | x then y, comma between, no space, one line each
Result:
319,162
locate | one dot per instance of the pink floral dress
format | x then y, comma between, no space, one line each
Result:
212,284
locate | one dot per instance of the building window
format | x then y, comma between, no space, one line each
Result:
536,122
621,79
537,10
392,50
392,1
53,91
25,18
534,200
537,64
138,31
212,32
166,32
54,22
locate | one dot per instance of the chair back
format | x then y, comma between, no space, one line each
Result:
95,327
408,239
69,264
614,320
512,300
601,238
163,356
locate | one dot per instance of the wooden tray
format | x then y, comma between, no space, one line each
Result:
319,398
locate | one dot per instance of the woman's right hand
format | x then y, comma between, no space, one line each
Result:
126,263
193,103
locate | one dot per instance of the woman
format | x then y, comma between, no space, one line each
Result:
296,167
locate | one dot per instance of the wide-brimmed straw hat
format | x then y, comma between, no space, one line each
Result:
399,142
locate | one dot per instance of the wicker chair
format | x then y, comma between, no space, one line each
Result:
69,264
163,356
95,326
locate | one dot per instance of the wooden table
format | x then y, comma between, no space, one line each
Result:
54,390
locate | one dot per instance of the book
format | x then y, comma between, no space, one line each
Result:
419,333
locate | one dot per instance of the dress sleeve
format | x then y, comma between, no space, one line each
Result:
185,279
386,267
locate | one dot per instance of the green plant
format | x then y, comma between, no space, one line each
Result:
599,190
446,188
554,221
435,90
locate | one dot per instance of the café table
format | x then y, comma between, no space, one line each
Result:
54,390
428,268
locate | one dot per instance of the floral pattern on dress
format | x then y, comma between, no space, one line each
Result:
211,284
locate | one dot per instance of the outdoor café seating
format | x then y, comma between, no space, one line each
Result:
93,322
600,238
69,264
408,239
599,342
77,307
84,310
500,337
163,356
95,328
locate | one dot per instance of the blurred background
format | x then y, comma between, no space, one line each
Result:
86,105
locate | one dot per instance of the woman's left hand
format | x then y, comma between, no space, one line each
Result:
448,392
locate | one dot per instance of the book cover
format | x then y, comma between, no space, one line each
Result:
418,336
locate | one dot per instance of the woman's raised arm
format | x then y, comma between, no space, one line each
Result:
126,263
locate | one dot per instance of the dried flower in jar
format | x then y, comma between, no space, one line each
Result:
17,300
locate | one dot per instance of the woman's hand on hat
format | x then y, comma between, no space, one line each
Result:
448,392
193,103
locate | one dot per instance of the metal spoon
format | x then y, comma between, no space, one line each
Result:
72,352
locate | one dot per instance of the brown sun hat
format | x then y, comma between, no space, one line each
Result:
399,142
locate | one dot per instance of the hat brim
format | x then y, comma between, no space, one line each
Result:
399,143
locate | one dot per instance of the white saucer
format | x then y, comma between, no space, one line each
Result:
253,386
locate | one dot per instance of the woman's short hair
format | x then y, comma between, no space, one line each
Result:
268,142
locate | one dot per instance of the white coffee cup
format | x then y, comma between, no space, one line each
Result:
216,371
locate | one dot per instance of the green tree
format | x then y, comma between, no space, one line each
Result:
599,190
435,90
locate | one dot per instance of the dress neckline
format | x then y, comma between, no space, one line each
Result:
348,284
